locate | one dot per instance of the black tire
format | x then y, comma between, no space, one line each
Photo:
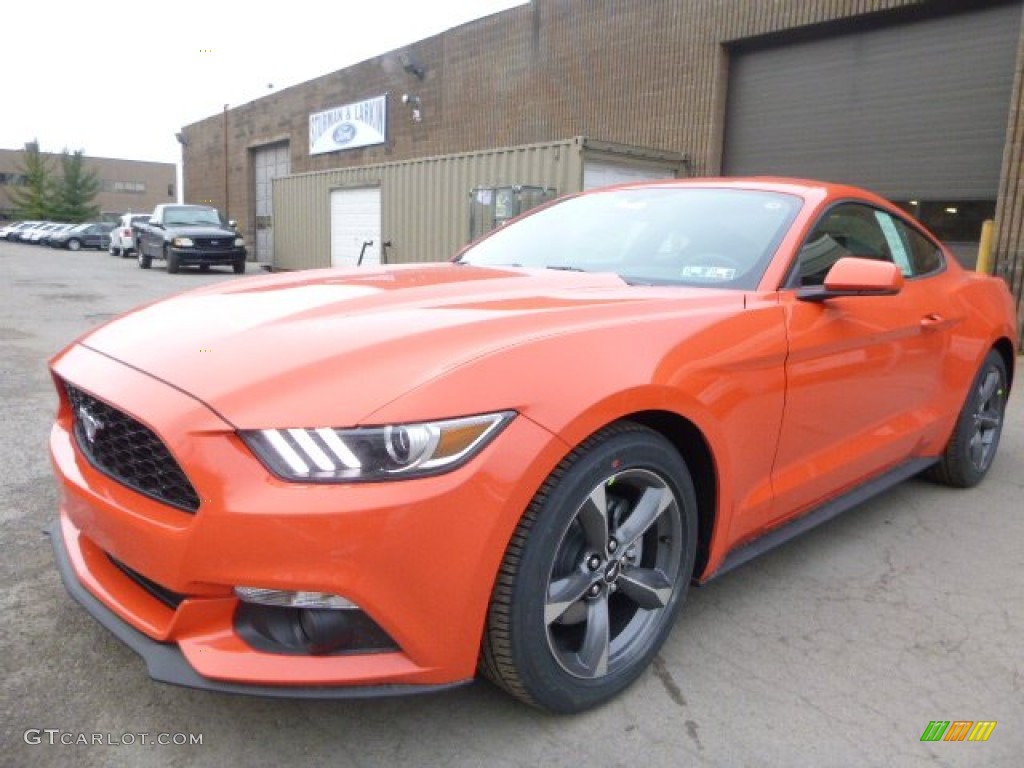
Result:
173,262
74,245
145,262
972,447
113,251
239,267
577,614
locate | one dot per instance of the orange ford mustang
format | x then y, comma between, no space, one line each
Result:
356,482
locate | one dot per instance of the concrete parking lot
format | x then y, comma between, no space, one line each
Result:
835,650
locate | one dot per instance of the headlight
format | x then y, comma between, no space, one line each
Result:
182,242
392,452
239,242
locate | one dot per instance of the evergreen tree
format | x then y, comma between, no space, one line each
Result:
34,200
76,191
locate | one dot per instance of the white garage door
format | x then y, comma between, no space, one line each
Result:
605,174
355,221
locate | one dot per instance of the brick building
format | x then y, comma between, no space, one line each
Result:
919,100
125,185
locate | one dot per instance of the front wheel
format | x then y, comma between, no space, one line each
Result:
74,245
173,261
972,447
145,262
239,267
595,573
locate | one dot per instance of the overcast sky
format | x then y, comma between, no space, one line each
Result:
119,79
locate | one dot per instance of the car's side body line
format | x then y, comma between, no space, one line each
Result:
821,514
166,663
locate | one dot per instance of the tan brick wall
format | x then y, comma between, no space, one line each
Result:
644,72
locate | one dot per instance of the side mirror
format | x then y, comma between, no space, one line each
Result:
233,224
853,276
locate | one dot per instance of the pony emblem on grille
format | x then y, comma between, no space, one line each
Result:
90,422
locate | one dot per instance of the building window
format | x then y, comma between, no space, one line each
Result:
11,180
126,187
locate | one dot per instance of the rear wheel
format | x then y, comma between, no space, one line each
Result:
972,448
595,573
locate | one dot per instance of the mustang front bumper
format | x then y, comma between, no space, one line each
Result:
418,557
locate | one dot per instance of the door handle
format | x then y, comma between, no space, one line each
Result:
932,321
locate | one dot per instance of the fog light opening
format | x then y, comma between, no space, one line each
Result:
341,628
327,631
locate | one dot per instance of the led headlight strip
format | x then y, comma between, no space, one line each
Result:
326,454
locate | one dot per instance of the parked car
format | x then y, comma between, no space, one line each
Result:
95,234
34,234
7,229
22,232
14,231
122,238
381,480
47,236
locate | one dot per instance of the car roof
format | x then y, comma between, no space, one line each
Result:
808,189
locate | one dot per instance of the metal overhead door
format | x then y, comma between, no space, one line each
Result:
914,110
598,174
268,163
355,226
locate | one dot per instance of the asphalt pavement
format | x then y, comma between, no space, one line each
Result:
837,649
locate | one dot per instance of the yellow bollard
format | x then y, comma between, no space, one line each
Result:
984,264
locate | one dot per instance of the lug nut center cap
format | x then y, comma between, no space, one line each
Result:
612,572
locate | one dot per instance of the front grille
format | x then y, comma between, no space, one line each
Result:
164,595
119,446
214,243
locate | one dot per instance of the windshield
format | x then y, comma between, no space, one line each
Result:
190,216
720,238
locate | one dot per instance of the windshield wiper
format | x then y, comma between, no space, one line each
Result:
564,267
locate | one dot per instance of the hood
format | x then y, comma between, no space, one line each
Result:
199,230
284,350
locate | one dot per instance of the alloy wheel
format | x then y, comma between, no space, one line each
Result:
613,574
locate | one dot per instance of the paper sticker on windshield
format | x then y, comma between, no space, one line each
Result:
697,272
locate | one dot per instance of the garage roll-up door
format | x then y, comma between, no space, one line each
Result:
918,109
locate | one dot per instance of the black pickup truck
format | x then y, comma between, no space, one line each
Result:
189,235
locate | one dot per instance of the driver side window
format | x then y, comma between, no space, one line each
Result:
849,229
